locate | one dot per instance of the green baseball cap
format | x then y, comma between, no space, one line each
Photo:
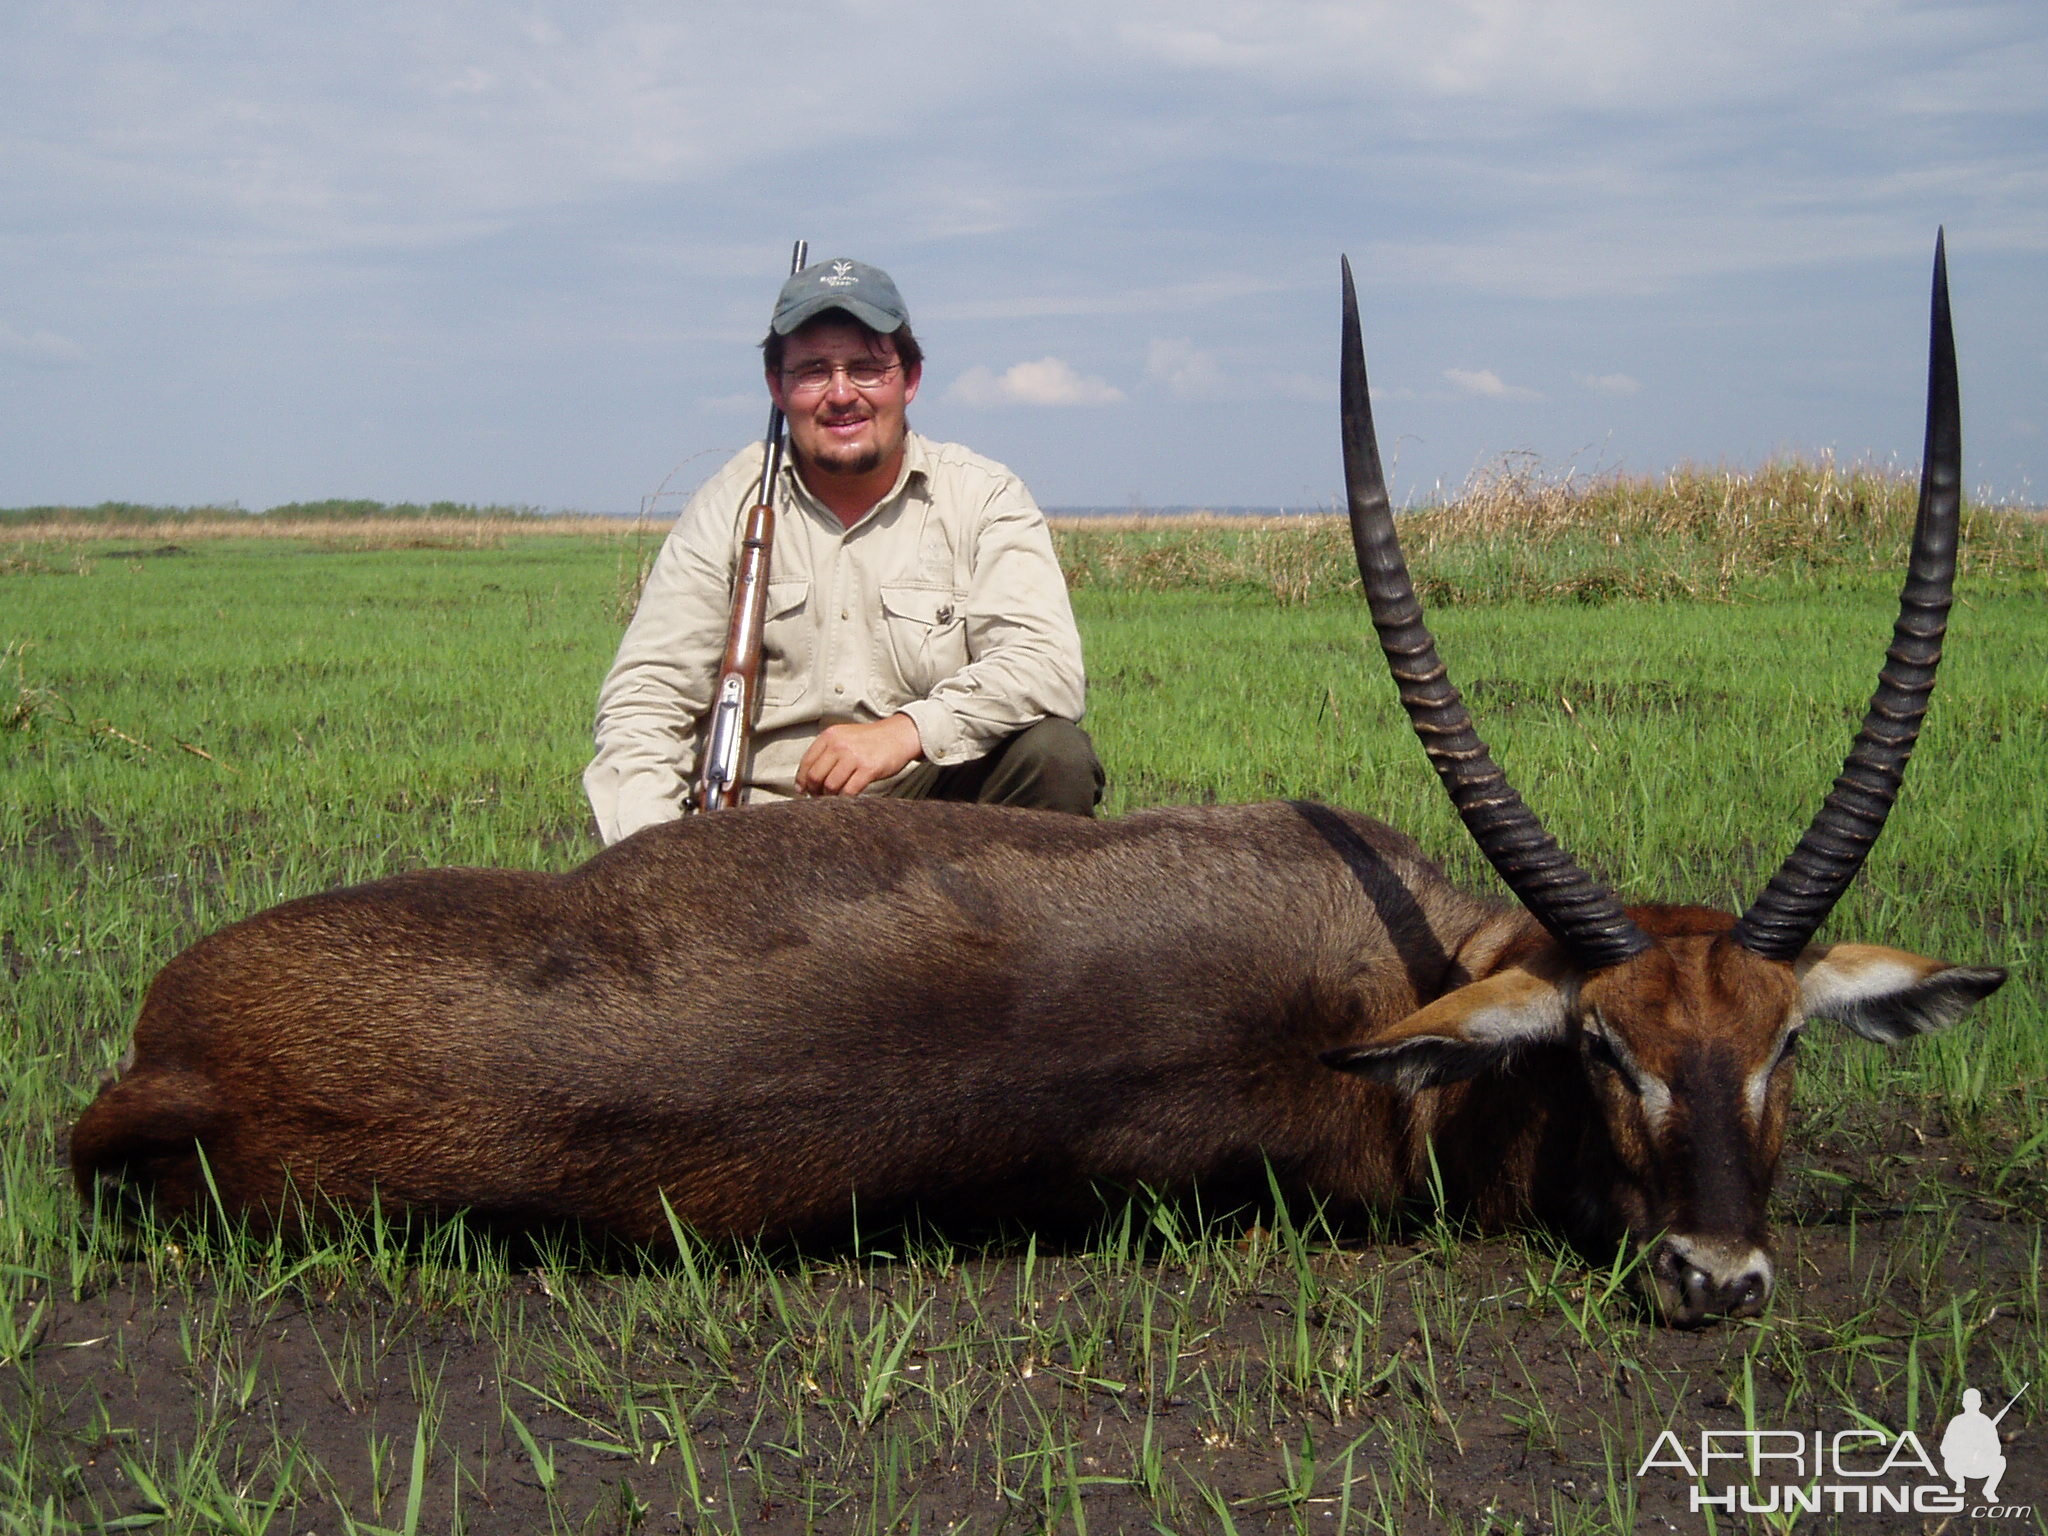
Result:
864,292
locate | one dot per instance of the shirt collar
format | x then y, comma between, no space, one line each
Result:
916,465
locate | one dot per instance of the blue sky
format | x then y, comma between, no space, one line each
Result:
256,252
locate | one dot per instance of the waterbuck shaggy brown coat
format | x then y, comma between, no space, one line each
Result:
758,1019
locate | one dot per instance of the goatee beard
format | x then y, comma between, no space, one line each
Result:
859,463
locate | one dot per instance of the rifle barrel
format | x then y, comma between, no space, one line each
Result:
735,698
2015,1398
771,463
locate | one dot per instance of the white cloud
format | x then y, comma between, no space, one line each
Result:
1609,383
1185,369
1049,381
355,214
1582,55
45,349
1488,384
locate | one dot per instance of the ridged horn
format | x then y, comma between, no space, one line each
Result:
1582,914
1802,893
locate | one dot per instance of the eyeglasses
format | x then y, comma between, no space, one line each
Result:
816,378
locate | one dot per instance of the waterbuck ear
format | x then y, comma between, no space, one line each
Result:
1887,995
1459,1035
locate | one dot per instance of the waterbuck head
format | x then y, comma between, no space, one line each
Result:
1684,1021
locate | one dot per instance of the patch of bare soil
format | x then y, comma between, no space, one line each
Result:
1504,1392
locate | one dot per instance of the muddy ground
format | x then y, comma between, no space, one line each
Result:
1514,1425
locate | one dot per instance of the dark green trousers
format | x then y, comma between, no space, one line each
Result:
1050,766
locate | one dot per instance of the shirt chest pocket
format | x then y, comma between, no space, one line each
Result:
786,642
924,638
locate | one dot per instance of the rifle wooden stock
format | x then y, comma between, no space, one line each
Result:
736,697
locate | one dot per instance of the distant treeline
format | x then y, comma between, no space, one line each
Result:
139,514
1691,534
122,513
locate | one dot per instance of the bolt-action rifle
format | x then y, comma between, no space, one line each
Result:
736,696
2015,1398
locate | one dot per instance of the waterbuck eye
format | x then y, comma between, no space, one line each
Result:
1602,1055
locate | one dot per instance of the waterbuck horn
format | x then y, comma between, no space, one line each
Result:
1803,892
1582,914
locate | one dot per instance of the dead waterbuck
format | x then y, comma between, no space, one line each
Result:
759,1018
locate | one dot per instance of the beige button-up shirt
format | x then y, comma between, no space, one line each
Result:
945,602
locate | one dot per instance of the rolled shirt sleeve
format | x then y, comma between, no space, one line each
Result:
1024,647
659,686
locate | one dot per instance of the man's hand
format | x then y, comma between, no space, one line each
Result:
846,759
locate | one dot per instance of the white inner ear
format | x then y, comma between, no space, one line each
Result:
1887,995
1511,1009
1838,978
1462,1031
1537,1014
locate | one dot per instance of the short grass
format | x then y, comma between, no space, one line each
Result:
194,726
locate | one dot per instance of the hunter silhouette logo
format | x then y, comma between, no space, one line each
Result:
1970,1446
1863,1470
841,275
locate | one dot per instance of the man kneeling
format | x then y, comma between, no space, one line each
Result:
918,639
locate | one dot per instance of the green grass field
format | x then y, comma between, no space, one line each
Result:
193,727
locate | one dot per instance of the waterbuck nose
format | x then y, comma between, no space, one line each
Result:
1698,1278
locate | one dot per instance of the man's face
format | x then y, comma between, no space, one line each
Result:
834,425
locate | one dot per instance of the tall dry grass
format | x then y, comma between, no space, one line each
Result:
1513,535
